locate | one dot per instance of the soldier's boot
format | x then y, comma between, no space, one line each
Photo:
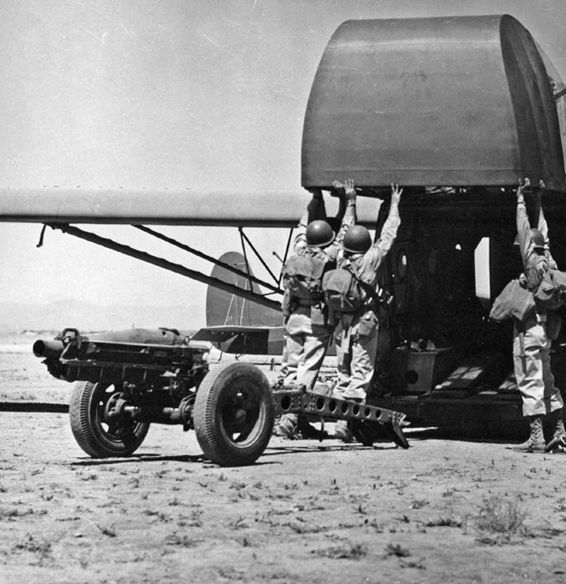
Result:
307,430
558,441
535,443
287,426
342,431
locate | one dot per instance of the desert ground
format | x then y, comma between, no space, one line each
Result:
309,512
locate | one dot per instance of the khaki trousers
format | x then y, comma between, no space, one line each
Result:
305,348
356,350
535,381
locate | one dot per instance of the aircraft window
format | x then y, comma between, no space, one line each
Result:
482,272
401,265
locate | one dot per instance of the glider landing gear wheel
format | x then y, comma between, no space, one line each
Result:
234,414
97,424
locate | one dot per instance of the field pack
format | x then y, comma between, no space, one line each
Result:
551,291
302,276
514,301
342,291
547,284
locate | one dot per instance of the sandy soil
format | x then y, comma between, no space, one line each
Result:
444,510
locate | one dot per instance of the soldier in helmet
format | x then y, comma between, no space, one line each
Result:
356,333
307,331
533,336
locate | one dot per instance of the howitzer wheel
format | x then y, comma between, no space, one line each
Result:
234,414
94,433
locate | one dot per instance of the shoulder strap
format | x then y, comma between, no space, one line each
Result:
365,287
383,299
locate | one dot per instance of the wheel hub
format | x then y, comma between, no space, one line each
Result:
115,415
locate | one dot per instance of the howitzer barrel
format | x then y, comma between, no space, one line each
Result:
48,349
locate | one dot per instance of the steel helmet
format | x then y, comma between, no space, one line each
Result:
537,239
319,233
357,239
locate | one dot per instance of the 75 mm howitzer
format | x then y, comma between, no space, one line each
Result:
124,381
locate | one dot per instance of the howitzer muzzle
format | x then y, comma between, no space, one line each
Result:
48,349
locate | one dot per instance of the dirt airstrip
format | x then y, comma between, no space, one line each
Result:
309,512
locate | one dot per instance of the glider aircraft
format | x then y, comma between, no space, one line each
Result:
455,110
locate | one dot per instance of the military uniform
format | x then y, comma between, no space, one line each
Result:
531,342
356,334
531,361
306,329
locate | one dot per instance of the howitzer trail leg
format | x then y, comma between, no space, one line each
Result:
297,401
347,431
393,429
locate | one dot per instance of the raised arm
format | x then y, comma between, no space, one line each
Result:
342,204
542,225
349,216
314,210
523,224
316,207
391,225
337,190
382,244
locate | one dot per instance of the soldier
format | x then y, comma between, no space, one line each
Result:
307,330
532,338
356,333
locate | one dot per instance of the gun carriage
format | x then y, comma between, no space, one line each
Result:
127,380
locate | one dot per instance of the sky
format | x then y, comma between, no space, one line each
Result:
208,95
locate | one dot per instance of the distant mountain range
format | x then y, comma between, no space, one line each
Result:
15,317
